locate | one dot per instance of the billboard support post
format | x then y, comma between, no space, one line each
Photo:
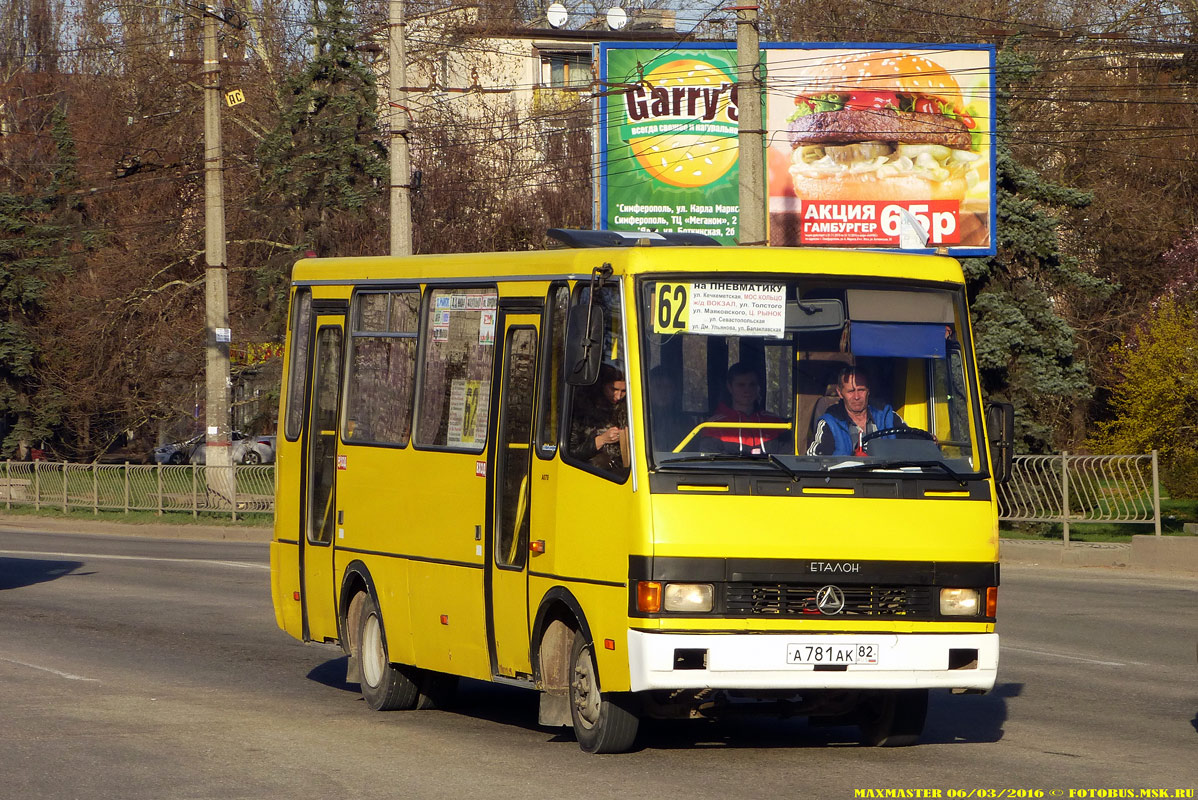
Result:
751,131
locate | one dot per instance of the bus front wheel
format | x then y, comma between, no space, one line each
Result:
385,687
892,718
603,722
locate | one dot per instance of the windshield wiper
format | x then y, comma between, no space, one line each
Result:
897,464
758,458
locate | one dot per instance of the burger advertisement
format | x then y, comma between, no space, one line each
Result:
888,147
670,141
862,143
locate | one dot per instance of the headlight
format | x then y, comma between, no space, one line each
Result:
688,597
959,602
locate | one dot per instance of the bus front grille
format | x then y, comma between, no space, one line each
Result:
791,599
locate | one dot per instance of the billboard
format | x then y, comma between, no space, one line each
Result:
878,146
669,141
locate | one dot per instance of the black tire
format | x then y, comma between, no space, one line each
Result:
251,457
385,686
604,722
892,718
176,458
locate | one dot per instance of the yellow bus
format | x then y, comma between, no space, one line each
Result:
644,477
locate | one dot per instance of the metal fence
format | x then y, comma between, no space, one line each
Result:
238,491
1070,489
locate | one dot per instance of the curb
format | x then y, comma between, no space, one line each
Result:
158,530
1175,554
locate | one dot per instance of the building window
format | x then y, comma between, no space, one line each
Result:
567,70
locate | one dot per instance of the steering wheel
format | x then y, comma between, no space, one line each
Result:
901,433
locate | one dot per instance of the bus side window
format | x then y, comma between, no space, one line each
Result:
597,438
553,333
297,377
455,378
382,367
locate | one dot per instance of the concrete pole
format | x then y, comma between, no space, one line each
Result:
751,135
401,168
216,275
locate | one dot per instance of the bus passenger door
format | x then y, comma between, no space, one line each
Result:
511,492
319,517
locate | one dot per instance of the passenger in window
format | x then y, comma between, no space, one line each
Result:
840,430
599,424
667,419
744,406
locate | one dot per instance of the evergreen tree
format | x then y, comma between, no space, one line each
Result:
1027,351
39,229
325,155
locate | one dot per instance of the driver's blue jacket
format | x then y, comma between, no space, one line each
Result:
832,431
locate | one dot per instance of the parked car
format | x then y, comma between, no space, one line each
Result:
176,452
258,450
246,450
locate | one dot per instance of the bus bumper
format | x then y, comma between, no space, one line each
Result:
775,661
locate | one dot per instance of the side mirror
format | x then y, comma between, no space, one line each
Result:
584,344
1000,435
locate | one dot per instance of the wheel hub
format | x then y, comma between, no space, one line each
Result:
586,690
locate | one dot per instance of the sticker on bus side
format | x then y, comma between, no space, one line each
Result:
480,469
722,309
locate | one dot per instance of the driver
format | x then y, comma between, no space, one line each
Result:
839,431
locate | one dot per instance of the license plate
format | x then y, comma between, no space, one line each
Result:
838,655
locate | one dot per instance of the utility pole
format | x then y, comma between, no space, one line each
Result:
401,169
218,452
751,132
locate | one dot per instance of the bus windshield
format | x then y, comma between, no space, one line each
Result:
815,374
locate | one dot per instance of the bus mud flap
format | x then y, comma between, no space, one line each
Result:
555,710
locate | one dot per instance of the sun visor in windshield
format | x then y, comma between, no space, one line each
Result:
898,339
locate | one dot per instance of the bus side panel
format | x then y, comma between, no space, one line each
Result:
391,582
447,623
421,508
285,574
284,584
598,524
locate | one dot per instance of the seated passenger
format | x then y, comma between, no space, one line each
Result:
599,422
840,430
744,393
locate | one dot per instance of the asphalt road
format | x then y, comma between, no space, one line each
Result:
141,668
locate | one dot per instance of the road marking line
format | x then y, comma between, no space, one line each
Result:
1075,658
239,564
57,672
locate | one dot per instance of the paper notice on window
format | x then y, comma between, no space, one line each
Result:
469,401
722,308
486,328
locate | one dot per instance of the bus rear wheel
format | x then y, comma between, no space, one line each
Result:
892,718
603,722
385,686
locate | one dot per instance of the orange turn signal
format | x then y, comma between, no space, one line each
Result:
648,596
991,601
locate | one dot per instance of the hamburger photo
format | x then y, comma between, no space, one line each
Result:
881,126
